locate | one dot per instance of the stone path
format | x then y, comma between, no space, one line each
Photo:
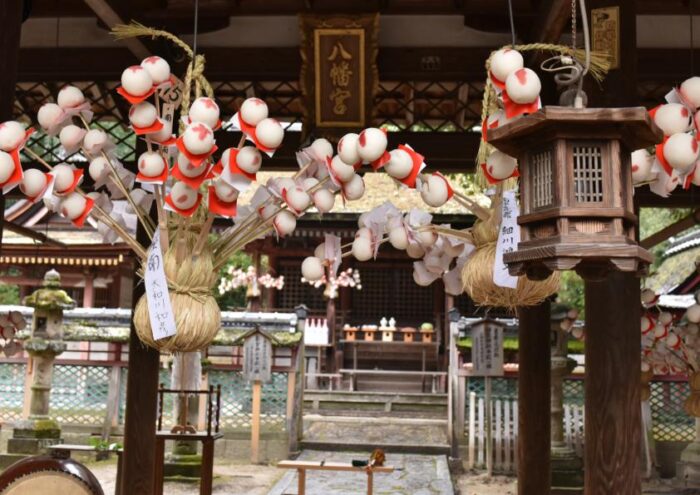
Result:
417,475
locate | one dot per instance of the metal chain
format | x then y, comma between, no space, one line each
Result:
573,24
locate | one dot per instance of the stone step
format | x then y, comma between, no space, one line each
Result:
422,448
343,403
406,435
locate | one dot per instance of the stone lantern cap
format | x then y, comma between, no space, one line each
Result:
51,296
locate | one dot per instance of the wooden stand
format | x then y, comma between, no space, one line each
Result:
613,413
186,432
303,466
205,485
534,470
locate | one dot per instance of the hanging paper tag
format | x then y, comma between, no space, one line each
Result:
508,238
160,311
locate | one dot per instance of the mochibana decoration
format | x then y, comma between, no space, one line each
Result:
192,182
674,162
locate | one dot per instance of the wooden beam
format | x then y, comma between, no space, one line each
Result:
534,439
613,414
554,15
680,198
282,63
104,11
11,22
32,234
673,229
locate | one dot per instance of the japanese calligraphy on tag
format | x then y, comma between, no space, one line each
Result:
257,358
487,349
160,311
508,238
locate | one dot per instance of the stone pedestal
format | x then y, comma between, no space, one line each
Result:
183,462
567,467
33,435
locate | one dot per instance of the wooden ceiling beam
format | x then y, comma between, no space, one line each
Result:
551,20
675,228
411,63
105,12
32,234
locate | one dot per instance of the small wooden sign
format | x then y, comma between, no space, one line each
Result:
605,24
257,357
487,348
339,70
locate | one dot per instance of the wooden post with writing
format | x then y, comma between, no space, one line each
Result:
257,368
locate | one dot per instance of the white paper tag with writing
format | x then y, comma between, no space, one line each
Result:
159,310
508,238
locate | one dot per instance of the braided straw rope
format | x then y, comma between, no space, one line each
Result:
197,316
599,67
477,274
195,69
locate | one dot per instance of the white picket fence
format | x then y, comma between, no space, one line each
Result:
504,428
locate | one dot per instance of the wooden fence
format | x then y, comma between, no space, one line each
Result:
504,433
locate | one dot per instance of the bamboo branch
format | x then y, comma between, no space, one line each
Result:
97,211
122,187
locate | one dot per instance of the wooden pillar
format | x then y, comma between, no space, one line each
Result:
613,413
141,405
620,85
89,290
11,22
534,470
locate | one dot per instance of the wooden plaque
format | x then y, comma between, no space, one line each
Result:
339,73
605,23
487,349
257,357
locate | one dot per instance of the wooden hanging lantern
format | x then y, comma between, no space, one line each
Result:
576,188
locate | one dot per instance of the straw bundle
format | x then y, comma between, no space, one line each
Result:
692,403
477,274
197,316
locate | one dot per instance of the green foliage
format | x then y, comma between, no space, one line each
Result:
652,220
9,294
571,292
467,183
104,445
235,298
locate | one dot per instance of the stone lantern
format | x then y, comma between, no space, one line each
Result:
576,188
34,434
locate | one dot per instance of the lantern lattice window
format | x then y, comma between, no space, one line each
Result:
576,201
588,174
542,180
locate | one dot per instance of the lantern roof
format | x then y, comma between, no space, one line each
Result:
633,126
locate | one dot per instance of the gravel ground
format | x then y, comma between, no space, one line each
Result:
247,479
229,479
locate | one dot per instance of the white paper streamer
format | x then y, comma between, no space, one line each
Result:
160,311
508,238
